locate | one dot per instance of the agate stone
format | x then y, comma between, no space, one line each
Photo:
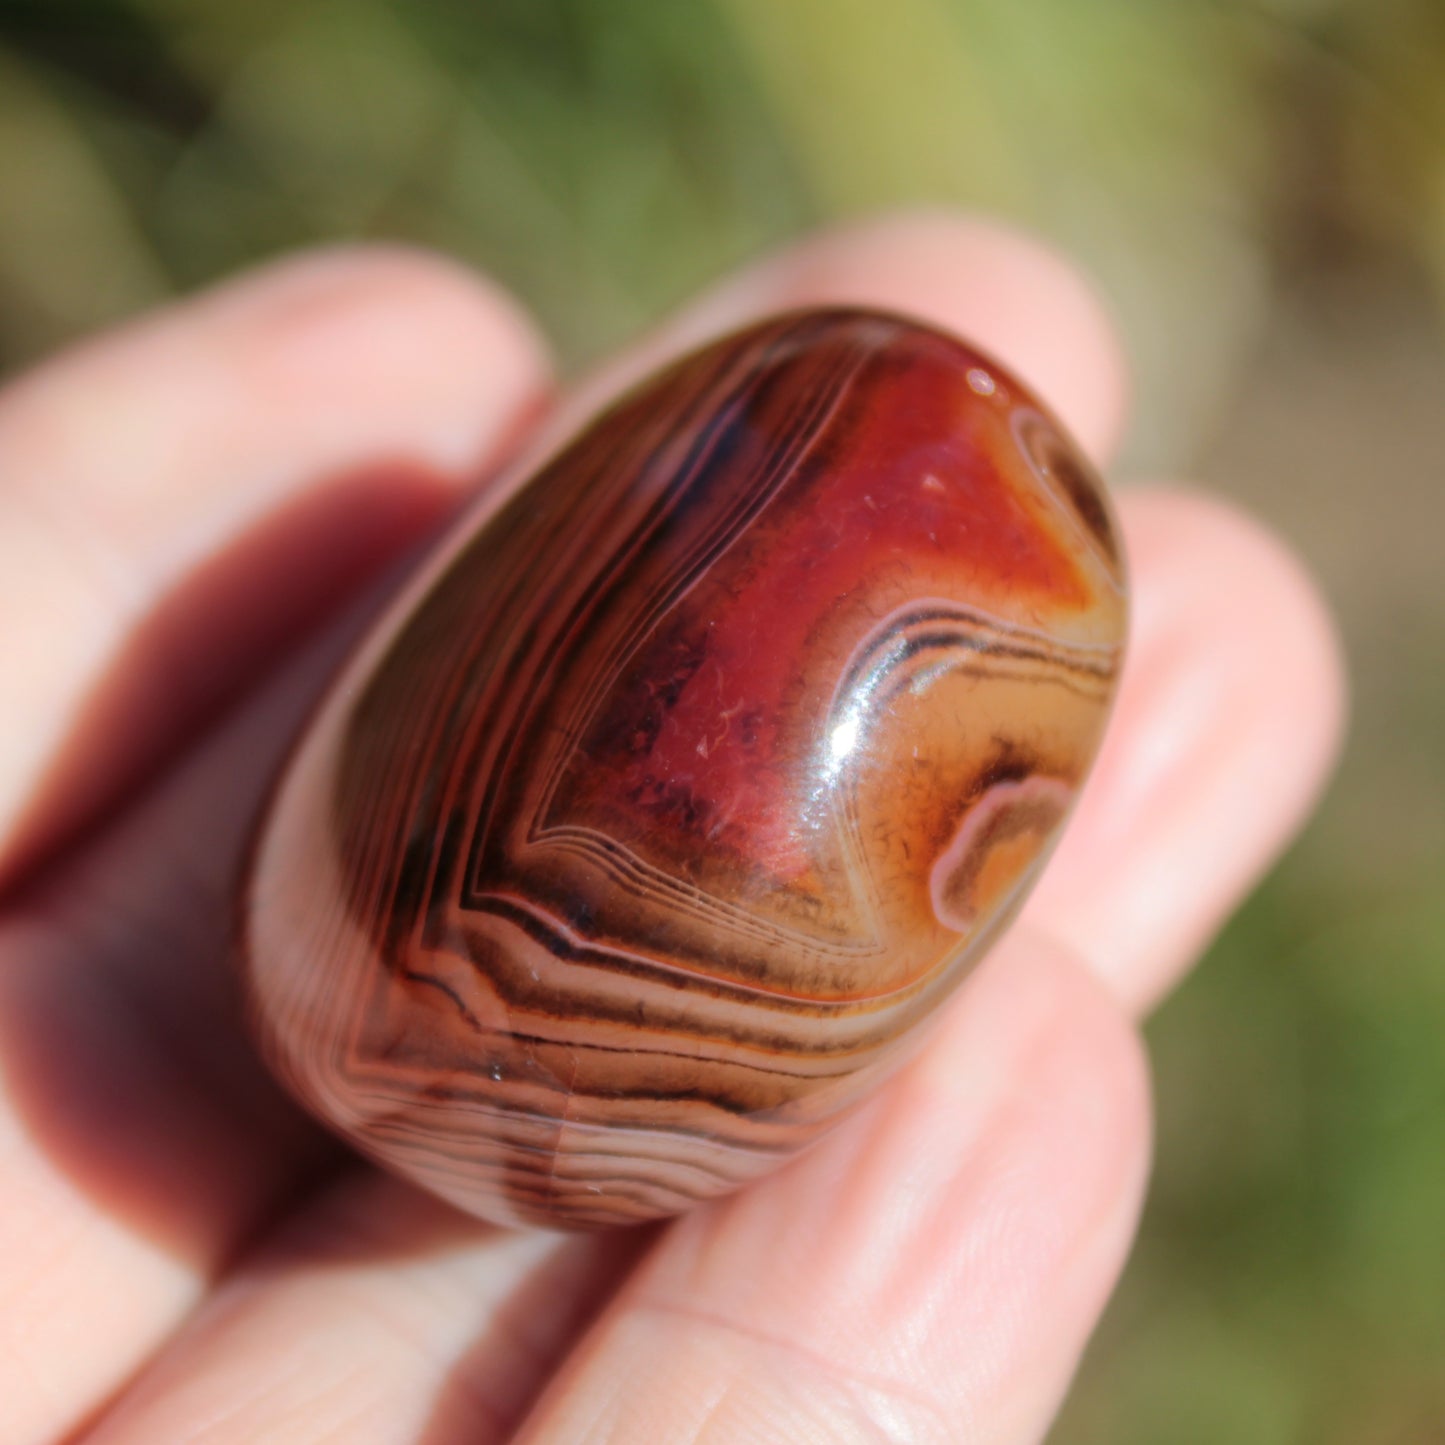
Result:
636,843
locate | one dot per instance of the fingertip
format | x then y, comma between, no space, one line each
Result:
184,495
1230,717
1217,585
444,348
1012,292
997,286
1258,607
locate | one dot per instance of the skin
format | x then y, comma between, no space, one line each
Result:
186,1259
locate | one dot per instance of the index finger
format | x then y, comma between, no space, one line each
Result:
179,497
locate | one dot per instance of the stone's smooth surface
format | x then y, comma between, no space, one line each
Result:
638,840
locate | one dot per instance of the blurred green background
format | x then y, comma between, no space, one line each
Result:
1260,190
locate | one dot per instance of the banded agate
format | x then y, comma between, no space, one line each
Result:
640,838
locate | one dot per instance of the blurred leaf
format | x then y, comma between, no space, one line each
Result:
336,107
1125,132
886,105
71,253
1395,127
633,154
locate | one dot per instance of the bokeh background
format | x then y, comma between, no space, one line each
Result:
1259,187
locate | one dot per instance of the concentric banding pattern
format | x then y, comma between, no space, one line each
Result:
633,846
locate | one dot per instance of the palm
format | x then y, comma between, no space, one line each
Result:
186,1258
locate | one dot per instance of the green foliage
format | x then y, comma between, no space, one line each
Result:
605,159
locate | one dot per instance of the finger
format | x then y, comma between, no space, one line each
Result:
984,281
999,288
944,261
929,1273
178,498
140,1140
1229,718
413,1324
938,1261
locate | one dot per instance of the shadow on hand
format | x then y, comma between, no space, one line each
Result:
122,1048
121,1044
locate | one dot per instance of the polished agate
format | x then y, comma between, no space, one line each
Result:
643,835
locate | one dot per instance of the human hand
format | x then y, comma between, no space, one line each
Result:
187,1259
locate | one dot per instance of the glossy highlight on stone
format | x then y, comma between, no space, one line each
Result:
639,839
